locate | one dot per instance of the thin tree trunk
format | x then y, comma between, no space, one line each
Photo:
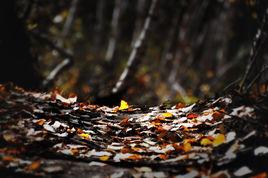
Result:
135,53
68,61
114,31
140,7
69,22
99,27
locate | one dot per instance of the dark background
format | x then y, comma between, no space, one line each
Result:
193,48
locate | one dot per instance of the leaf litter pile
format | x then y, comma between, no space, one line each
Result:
46,134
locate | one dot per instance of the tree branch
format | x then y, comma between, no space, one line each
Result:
136,50
258,42
114,31
66,63
43,38
69,21
256,78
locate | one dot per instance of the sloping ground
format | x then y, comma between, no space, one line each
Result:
51,136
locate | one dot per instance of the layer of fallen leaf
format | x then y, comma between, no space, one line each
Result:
221,137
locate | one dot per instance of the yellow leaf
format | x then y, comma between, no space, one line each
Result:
104,158
123,105
167,114
205,142
85,136
218,140
187,147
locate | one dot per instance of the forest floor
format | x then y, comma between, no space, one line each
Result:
47,135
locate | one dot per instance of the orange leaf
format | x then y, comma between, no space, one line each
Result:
135,157
124,122
74,151
8,158
40,122
126,150
260,175
217,115
177,146
34,166
179,105
162,156
79,131
192,116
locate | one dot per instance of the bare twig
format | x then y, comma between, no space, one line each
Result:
175,85
256,78
114,31
231,85
221,72
43,38
258,42
172,38
136,50
56,71
66,63
99,26
178,88
69,21
229,65
140,10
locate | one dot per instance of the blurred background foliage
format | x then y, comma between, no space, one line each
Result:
194,48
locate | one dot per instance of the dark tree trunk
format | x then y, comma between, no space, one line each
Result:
17,63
